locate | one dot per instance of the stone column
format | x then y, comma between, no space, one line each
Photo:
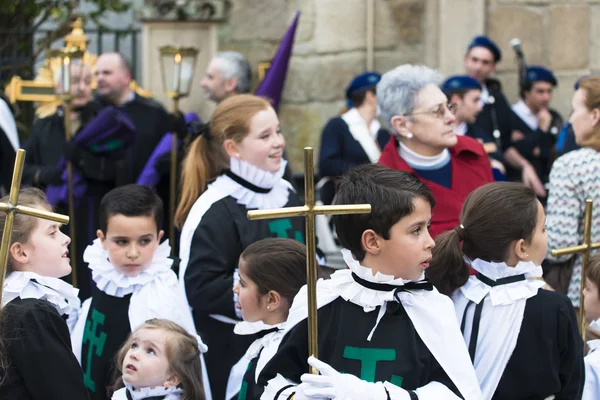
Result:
201,35
459,21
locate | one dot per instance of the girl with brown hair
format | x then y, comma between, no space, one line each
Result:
160,360
523,340
272,271
234,166
35,305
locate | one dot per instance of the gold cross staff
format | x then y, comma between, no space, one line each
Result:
12,207
584,249
309,211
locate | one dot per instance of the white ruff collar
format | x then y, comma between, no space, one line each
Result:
276,198
56,291
475,290
172,393
346,287
113,282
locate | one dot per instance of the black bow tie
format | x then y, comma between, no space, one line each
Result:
501,281
384,287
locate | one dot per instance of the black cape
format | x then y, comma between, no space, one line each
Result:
41,363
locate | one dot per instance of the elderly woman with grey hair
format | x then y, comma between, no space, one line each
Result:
424,142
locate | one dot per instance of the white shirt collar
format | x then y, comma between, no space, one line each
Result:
418,161
523,112
461,129
353,115
485,95
113,282
594,344
172,393
475,290
29,285
277,197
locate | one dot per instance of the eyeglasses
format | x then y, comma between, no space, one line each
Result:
439,111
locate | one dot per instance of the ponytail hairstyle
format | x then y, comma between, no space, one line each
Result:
493,217
183,355
206,158
276,264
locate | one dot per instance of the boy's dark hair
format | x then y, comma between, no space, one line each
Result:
592,271
493,217
131,201
276,264
390,194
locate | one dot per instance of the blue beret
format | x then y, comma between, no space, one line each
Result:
576,86
484,41
361,82
536,73
459,82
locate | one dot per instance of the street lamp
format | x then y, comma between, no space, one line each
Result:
69,57
177,66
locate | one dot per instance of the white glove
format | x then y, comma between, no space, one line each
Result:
333,385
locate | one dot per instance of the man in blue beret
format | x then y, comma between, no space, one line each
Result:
465,93
497,118
536,124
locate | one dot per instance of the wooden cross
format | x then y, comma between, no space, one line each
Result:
13,207
309,211
584,249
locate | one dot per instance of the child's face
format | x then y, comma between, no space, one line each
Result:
591,301
130,242
146,363
408,251
538,247
250,302
47,250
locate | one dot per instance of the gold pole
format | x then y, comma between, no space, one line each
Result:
11,208
310,211
173,188
71,205
311,250
584,249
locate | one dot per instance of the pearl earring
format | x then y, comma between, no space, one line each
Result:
269,308
409,135
237,155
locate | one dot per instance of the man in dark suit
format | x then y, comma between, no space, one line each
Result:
497,118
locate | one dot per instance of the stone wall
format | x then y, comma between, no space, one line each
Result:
331,46
563,35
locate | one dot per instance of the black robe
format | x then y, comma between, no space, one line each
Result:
548,357
496,116
544,142
41,363
45,147
151,123
106,330
396,353
221,236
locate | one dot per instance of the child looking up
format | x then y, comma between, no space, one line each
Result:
378,321
160,360
41,364
134,283
523,340
272,271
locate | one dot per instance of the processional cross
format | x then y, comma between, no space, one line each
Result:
309,211
12,207
583,249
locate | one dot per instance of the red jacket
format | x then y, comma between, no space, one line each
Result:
470,170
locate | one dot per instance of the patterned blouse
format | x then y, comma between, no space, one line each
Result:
574,178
